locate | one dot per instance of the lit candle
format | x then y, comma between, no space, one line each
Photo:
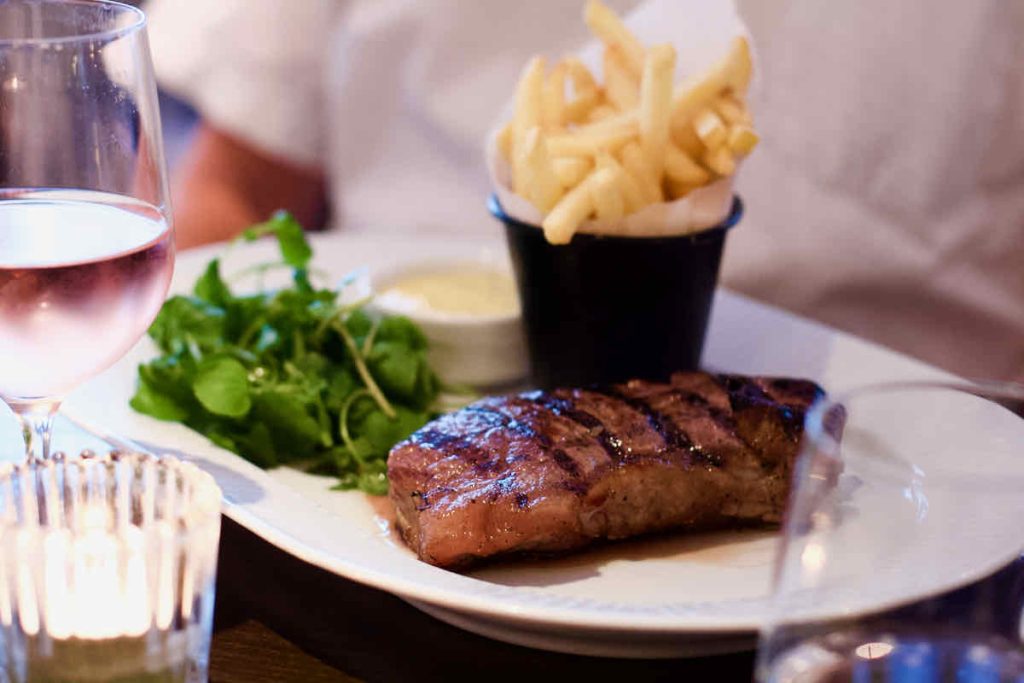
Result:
94,584
106,569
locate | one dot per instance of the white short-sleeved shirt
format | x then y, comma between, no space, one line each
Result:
886,198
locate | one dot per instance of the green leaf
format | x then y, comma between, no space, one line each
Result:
395,368
295,433
428,386
245,316
257,446
221,439
150,401
210,287
313,363
359,411
383,432
182,319
340,383
341,459
359,324
401,330
291,238
371,478
222,387
363,450
171,375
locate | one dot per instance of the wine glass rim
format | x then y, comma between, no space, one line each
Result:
815,430
137,24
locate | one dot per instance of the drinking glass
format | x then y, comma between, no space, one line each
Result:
107,568
86,246
900,555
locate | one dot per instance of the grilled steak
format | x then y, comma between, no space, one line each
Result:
543,471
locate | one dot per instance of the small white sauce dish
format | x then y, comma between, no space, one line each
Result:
469,311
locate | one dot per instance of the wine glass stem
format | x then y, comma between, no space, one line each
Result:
36,418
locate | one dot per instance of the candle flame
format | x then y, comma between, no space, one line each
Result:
92,586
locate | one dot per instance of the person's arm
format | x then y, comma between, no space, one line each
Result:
224,185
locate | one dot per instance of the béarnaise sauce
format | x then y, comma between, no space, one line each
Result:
461,289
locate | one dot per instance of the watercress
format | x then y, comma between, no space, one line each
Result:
290,376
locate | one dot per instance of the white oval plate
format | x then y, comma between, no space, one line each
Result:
676,596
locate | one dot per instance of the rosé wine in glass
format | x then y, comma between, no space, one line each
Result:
81,277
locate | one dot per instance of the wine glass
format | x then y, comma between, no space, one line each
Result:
86,242
900,559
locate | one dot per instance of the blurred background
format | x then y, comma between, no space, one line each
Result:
885,198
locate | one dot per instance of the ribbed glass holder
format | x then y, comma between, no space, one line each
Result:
107,569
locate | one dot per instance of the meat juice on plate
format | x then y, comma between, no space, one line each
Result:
82,275
924,658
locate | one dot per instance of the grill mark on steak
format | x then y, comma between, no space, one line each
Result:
565,461
800,389
575,486
744,393
516,426
721,417
527,428
693,398
464,444
566,407
675,438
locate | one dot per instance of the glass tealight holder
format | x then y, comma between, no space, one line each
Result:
107,568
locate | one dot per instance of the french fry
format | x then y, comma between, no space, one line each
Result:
732,110
604,192
720,161
579,143
739,65
585,91
621,87
629,188
528,99
678,190
627,122
571,171
732,72
504,141
682,169
610,30
634,164
553,99
537,181
580,107
742,139
527,115
602,112
574,208
710,129
655,105
686,137
579,75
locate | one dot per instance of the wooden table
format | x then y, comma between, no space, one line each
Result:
280,619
